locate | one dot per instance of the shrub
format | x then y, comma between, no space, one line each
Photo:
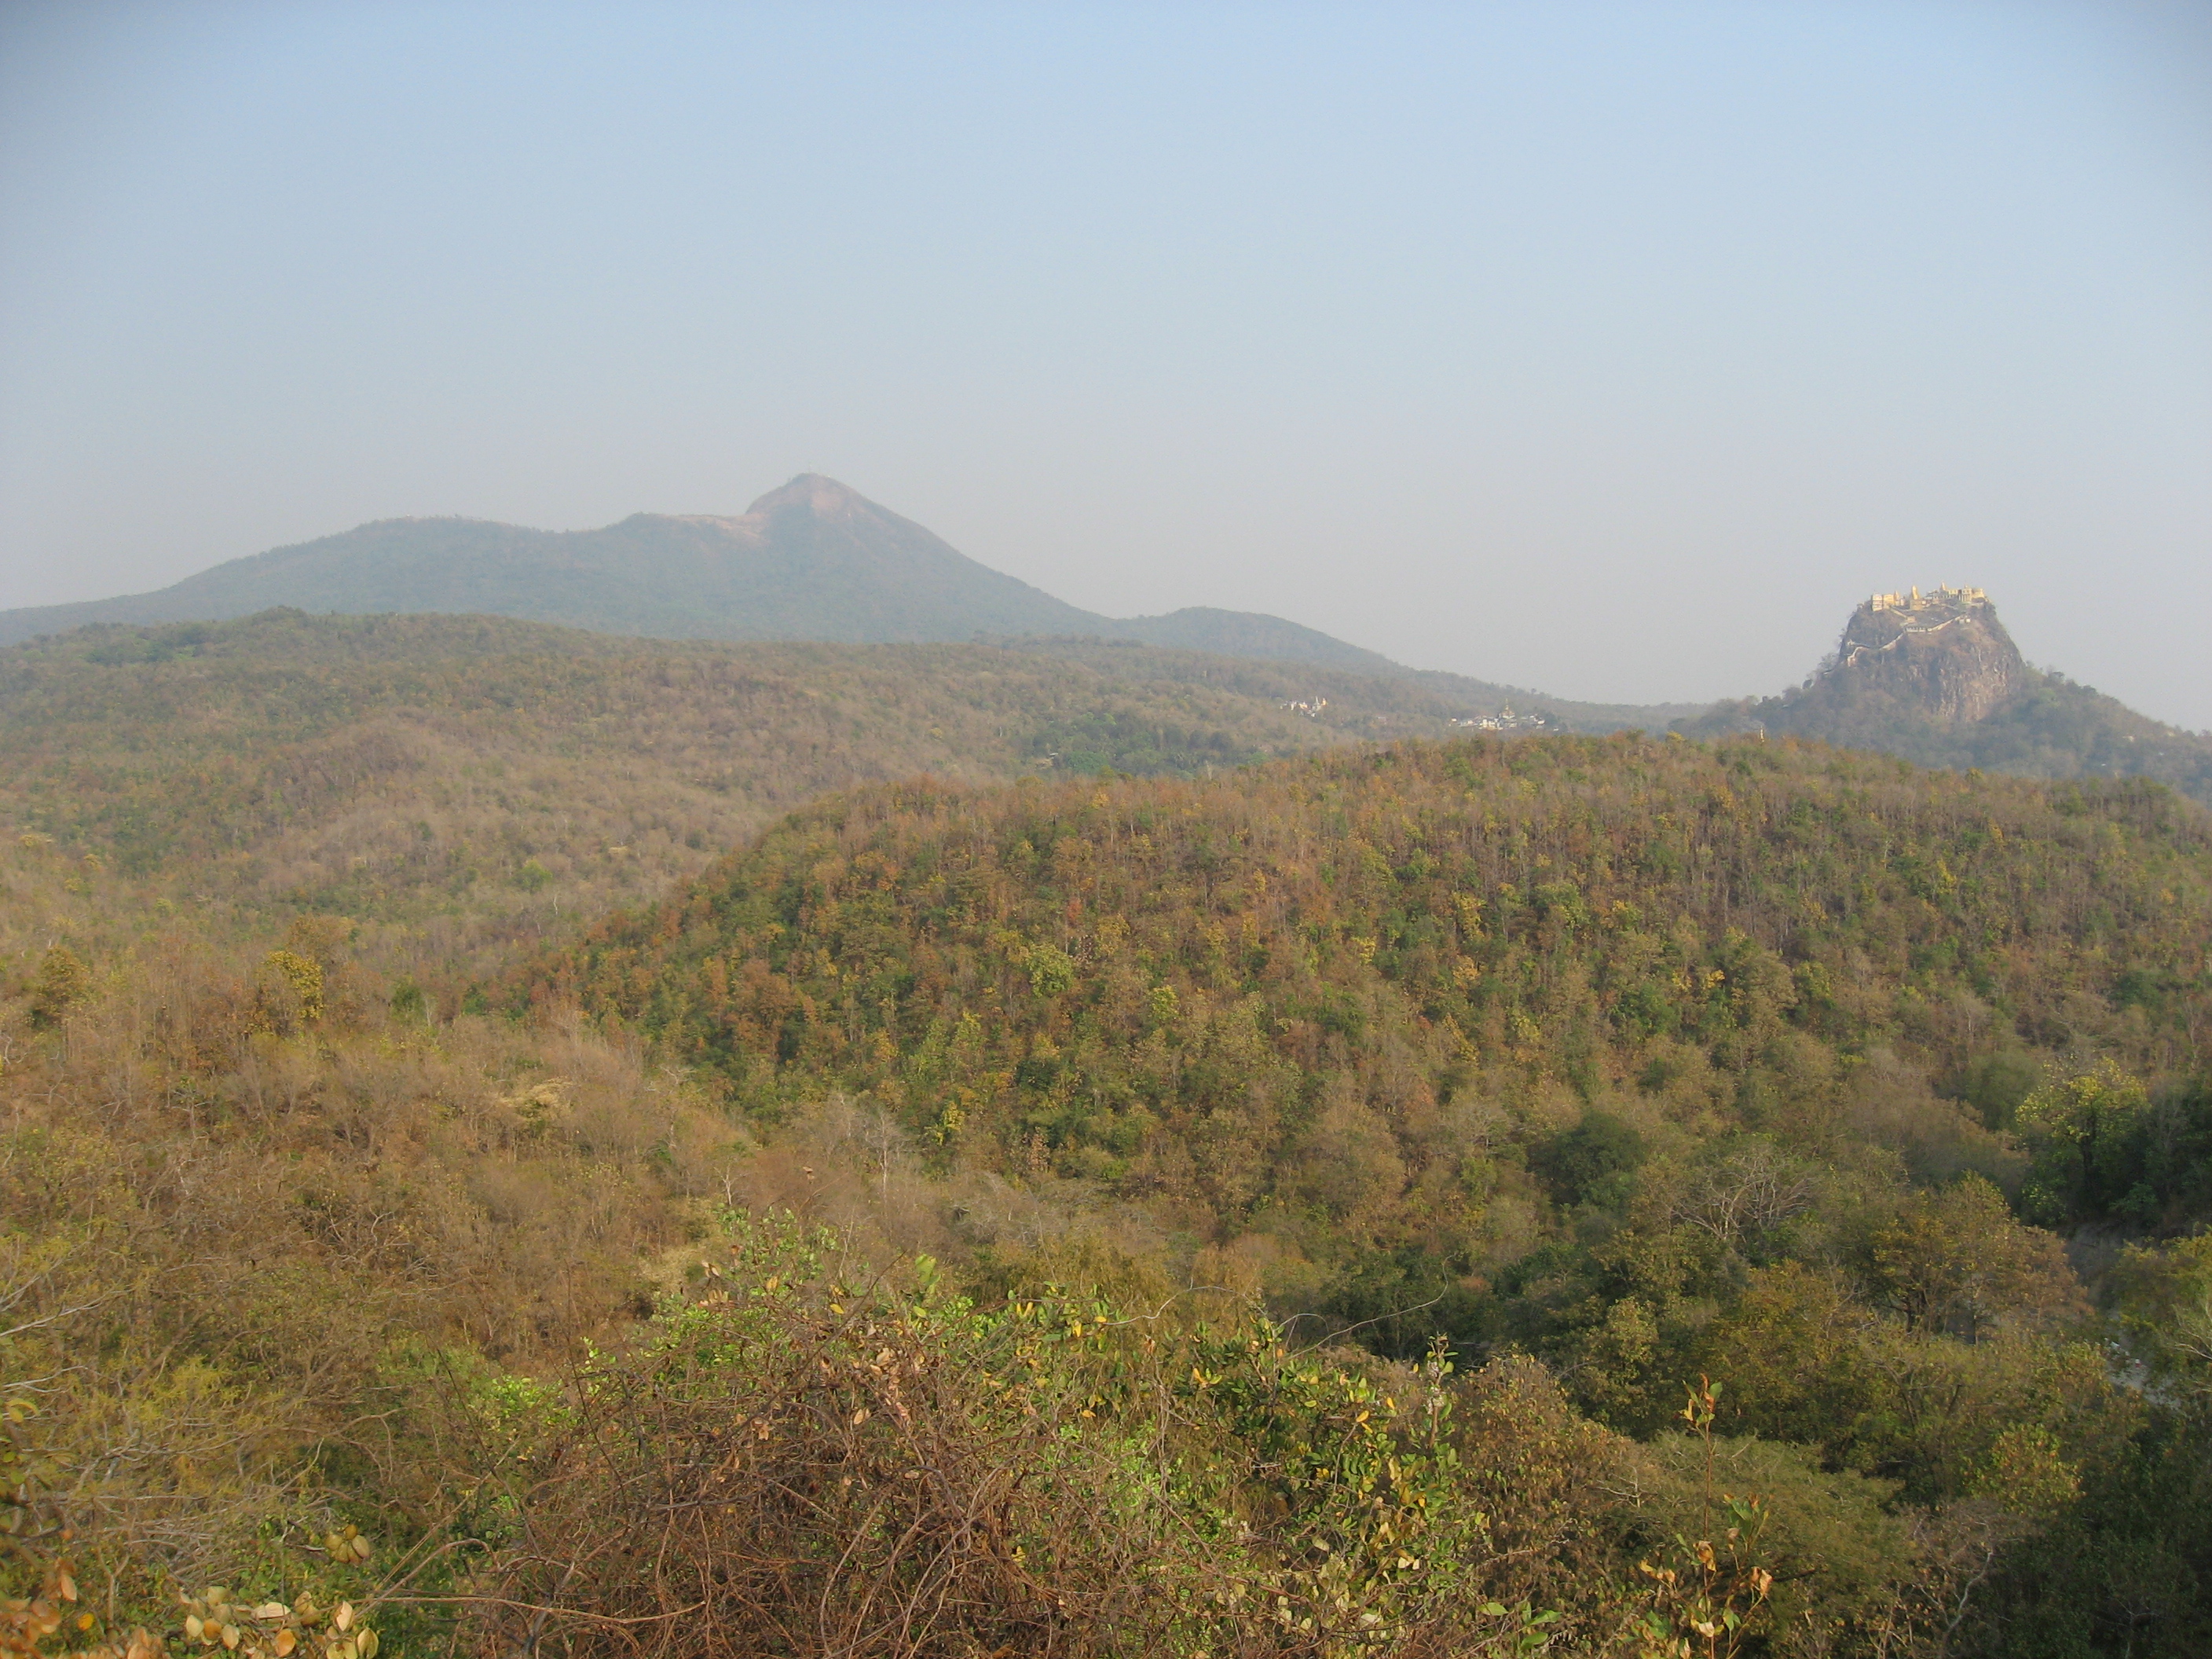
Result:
791,1462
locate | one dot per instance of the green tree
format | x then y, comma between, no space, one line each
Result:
1957,1261
62,983
2085,1135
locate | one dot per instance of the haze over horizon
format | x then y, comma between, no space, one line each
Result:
1618,351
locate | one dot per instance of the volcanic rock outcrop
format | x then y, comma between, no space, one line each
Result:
1933,676
1943,654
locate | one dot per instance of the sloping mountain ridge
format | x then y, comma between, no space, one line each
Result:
813,560
1249,634
1934,678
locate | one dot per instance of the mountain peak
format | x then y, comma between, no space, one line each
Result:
1942,652
825,498
813,559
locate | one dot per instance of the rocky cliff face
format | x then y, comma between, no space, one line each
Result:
1935,677
1944,655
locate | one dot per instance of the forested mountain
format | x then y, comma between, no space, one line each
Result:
1247,634
1935,677
1269,1210
812,560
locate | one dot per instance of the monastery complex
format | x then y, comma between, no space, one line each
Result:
1943,598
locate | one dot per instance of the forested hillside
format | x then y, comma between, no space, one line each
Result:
1335,992
811,561
457,784
1281,1211
1651,1061
2052,728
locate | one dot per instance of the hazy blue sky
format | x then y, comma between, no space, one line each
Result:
1617,350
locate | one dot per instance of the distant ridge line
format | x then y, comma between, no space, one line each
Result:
811,559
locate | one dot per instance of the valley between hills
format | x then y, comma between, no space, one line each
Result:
533,1136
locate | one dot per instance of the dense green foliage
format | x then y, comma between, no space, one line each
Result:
805,1461
1647,1058
1225,1166
1164,987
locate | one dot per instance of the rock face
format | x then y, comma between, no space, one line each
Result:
1943,655
1935,677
